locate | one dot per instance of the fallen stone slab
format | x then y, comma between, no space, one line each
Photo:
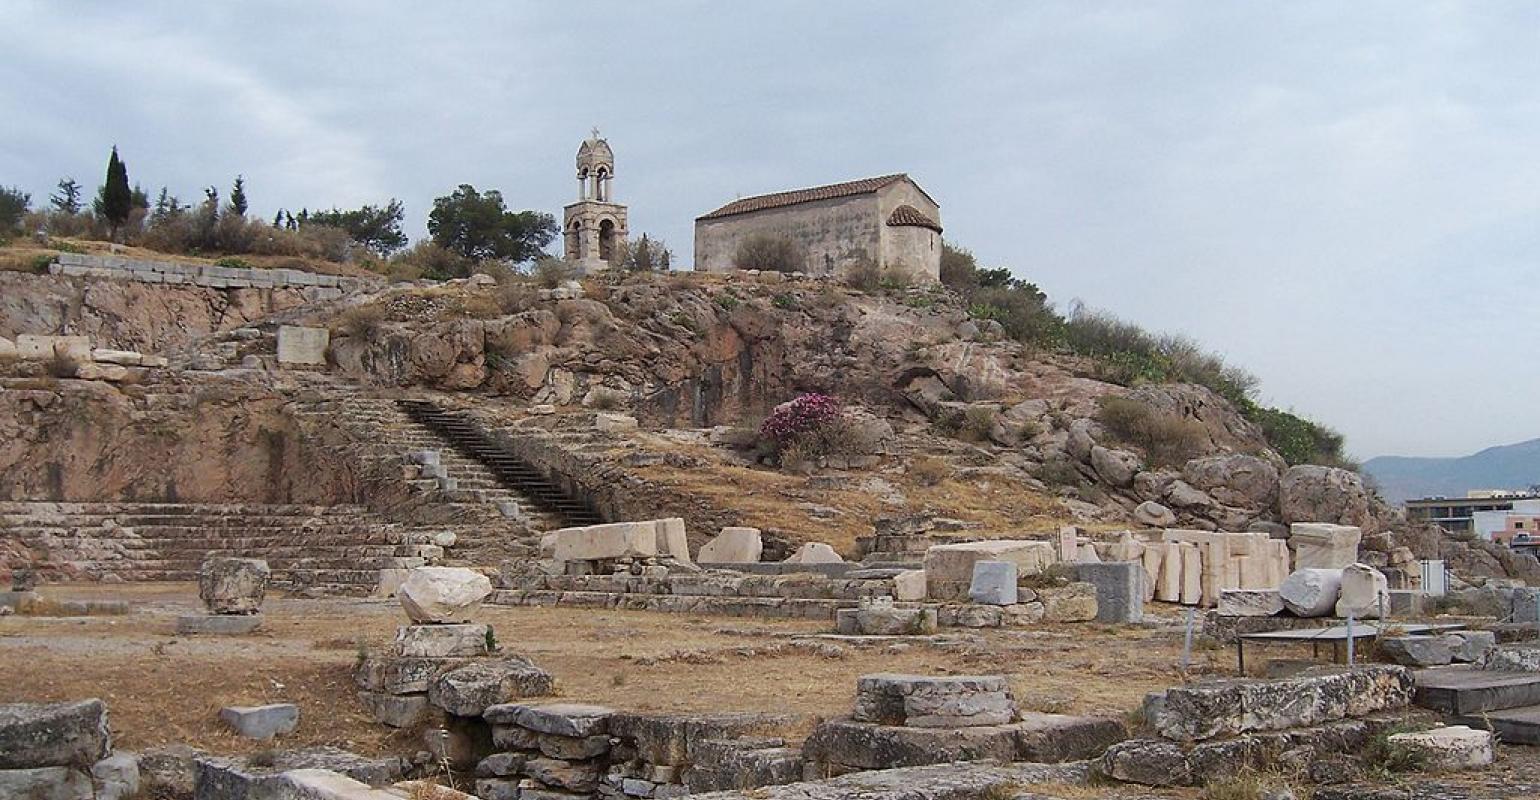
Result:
1120,590
261,722
443,641
1039,738
885,620
748,763
607,541
233,585
467,691
443,594
1318,545
949,567
1469,647
1249,603
53,734
923,701
46,783
1454,747
1364,594
814,553
169,770
1073,602
1233,706
558,719
671,739
994,583
238,778
734,545
217,624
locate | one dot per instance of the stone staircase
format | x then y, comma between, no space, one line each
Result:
1507,703
504,467
332,549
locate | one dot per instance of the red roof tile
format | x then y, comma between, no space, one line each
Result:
779,199
909,215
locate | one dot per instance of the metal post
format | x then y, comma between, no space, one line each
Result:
1350,640
1187,642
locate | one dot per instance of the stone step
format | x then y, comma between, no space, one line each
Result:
1464,690
1512,725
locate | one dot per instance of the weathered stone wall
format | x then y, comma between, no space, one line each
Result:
78,265
832,233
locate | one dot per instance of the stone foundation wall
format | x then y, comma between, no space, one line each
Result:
79,265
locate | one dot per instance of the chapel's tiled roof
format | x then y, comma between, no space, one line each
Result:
909,215
779,199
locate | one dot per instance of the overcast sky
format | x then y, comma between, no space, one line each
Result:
1344,198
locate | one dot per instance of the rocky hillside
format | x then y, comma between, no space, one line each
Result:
944,415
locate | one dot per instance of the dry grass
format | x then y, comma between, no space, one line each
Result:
161,688
19,253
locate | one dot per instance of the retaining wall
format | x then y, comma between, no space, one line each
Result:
79,265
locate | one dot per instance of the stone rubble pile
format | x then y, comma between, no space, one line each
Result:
912,720
1218,728
442,660
232,590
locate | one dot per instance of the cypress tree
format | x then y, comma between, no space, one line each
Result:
238,196
117,197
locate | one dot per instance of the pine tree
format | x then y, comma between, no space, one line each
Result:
116,198
238,197
67,201
278,219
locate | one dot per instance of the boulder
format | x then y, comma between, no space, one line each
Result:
392,674
1310,493
734,545
1235,479
1116,467
994,583
909,585
814,553
614,423
1364,594
46,783
1154,515
233,585
888,620
261,722
469,690
1451,748
53,734
443,594
116,777
1311,592
443,641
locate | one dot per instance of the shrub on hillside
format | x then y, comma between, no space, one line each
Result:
363,322
433,261
807,429
1167,439
770,253
929,470
1299,440
550,273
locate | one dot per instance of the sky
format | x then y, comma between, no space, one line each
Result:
1343,198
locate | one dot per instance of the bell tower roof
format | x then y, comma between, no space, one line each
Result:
594,153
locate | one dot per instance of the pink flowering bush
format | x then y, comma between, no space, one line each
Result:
805,429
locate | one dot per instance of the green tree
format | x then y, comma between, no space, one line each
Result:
376,228
115,199
67,200
479,226
13,206
648,255
238,196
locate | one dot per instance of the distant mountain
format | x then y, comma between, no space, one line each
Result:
1510,466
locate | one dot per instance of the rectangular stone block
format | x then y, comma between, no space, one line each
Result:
922,701
1318,545
53,734
611,540
1119,589
401,674
1235,706
994,583
671,539
442,641
396,710
1191,559
557,719
217,624
46,783
302,345
949,567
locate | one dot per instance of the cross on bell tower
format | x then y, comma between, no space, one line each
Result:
594,228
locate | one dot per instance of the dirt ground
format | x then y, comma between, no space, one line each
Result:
163,688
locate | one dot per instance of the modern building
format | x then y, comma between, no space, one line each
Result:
887,221
1458,514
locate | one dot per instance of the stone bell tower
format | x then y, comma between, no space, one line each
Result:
594,228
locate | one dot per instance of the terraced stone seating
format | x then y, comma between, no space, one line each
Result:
336,549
